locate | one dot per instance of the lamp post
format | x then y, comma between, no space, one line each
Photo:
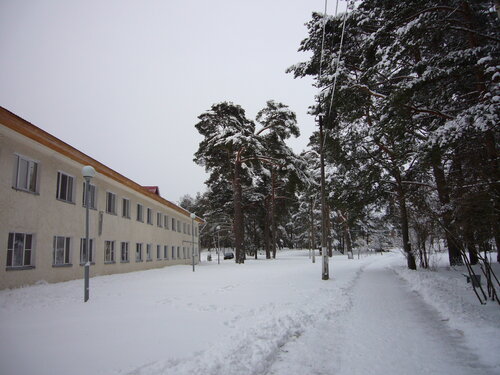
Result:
88,172
218,244
193,216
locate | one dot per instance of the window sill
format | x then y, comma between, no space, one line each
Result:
139,261
20,268
62,265
83,264
125,261
26,191
110,262
149,260
111,213
65,201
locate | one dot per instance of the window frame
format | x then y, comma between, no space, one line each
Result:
10,248
149,216
109,252
70,190
138,251
126,252
32,164
140,213
149,252
126,205
110,203
66,252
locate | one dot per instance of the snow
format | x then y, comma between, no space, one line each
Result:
264,317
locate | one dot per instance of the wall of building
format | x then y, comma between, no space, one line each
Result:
44,216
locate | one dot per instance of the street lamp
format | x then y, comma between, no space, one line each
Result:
193,216
88,172
218,244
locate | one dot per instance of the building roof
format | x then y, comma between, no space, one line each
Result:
21,126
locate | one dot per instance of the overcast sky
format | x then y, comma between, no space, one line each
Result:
125,80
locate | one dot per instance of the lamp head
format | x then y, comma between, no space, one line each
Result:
193,216
88,171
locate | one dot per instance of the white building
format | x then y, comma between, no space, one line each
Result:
42,221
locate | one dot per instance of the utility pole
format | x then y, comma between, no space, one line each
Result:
325,273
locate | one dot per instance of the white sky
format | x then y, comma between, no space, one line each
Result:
125,80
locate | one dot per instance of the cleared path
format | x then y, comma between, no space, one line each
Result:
387,329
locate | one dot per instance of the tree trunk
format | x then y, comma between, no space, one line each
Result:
403,212
325,269
454,255
266,229
238,228
256,240
470,244
273,210
313,233
348,241
329,233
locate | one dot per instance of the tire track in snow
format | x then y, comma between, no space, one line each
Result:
305,354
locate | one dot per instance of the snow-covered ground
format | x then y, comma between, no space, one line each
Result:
264,317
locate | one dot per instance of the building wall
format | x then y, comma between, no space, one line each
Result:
44,216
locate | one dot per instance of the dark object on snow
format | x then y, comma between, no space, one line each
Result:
228,255
476,280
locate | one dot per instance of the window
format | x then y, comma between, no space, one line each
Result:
173,252
19,250
140,216
92,196
111,203
64,187
61,255
124,252
165,252
173,224
158,252
109,251
83,251
138,252
126,208
150,216
184,228
178,252
189,228
26,174
165,219
179,228
159,219
149,255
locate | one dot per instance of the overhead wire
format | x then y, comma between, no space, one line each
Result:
338,57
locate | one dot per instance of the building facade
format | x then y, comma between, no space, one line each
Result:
42,221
